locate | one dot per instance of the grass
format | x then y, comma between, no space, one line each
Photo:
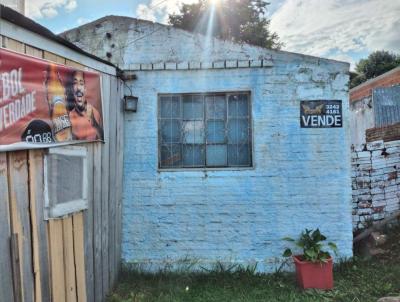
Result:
357,280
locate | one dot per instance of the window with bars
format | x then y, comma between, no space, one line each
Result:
204,130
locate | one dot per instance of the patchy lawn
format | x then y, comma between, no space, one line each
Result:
356,280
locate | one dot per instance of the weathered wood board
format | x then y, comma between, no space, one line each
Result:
80,257
74,258
69,259
6,281
20,217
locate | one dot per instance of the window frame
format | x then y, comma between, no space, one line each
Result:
59,210
226,94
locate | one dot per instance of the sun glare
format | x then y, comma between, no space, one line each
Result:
215,2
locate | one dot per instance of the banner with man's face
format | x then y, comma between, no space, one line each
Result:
43,104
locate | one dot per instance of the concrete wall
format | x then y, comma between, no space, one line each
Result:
129,42
300,177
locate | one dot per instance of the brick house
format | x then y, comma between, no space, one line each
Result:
216,164
374,104
375,136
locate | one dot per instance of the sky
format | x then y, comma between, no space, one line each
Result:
346,30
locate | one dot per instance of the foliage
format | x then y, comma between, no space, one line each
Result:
377,63
235,20
310,243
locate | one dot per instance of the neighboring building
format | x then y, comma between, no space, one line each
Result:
375,137
374,104
216,164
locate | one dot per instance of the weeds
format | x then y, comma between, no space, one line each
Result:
356,280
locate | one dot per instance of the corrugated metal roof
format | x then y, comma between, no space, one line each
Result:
386,102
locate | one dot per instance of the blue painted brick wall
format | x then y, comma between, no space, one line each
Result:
300,178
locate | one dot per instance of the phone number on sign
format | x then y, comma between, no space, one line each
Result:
332,109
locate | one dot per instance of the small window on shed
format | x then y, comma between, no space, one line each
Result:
211,130
65,181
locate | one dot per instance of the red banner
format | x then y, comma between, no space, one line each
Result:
43,104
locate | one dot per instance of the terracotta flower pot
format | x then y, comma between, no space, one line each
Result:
314,275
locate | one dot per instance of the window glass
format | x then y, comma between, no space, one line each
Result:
193,132
170,131
210,130
238,131
216,132
170,107
217,155
193,108
193,155
238,155
216,107
171,155
238,105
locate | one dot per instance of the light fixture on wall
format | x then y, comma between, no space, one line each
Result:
131,103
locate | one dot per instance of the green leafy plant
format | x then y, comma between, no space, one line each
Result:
310,242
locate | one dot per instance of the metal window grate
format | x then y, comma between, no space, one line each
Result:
204,130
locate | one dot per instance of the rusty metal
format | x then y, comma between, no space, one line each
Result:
386,103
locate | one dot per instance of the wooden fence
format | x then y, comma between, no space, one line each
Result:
76,258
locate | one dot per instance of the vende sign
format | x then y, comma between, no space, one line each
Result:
44,104
321,114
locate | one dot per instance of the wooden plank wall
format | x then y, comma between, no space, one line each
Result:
6,280
75,258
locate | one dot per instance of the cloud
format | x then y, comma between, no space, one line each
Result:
160,9
144,12
340,56
338,28
11,3
49,11
70,6
38,9
81,21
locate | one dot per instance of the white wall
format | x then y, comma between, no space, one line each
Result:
361,119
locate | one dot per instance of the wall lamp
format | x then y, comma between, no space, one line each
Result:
131,103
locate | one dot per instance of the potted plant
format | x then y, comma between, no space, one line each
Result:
314,267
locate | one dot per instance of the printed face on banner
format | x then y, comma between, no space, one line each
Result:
79,90
43,103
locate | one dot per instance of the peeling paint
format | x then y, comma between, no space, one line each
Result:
300,177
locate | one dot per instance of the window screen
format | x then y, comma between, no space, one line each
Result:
204,130
65,181
65,177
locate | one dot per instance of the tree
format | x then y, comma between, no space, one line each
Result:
235,20
376,64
